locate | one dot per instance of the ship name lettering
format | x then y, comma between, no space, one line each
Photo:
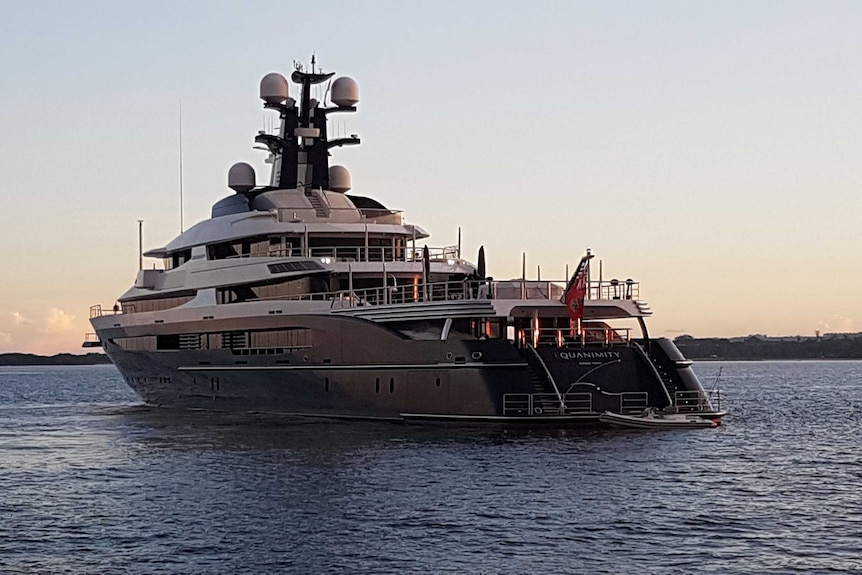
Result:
588,355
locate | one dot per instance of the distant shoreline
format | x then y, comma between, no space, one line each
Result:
764,348
23,359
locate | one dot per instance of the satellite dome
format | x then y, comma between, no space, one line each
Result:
240,178
345,92
273,88
339,179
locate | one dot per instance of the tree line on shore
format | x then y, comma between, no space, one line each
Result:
839,346
58,359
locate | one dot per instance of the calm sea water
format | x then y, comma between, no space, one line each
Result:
93,482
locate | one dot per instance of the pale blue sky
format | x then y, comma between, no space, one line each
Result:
711,150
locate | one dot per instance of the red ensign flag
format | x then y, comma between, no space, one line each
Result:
576,290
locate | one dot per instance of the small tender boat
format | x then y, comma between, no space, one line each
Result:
656,419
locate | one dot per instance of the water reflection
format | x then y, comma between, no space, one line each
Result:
94,482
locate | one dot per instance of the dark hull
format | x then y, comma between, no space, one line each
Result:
479,381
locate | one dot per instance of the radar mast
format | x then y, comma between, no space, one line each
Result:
300,151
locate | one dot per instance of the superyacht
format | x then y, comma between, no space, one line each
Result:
302,298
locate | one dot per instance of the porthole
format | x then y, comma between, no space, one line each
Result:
377,385
477,355
437,382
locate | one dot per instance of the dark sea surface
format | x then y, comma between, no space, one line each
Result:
91,481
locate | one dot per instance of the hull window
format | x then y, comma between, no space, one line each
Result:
289,338
155,304
241,342
168,341
286,267
142,343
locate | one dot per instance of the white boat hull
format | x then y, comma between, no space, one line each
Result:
652,419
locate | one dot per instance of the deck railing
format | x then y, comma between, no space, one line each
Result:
92,340
357,253
697,401
370,214
545,404
633,401
587,336
447,291
436,292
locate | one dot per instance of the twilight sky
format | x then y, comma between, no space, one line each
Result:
710,150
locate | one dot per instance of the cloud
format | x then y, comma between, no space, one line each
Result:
58,322
20,319
46,331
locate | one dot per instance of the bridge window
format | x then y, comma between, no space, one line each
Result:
284,289
420,330
478,328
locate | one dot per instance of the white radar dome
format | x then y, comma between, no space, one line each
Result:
339,179
274,88
240,178
345,92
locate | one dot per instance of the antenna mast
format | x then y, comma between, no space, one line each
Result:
181,167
